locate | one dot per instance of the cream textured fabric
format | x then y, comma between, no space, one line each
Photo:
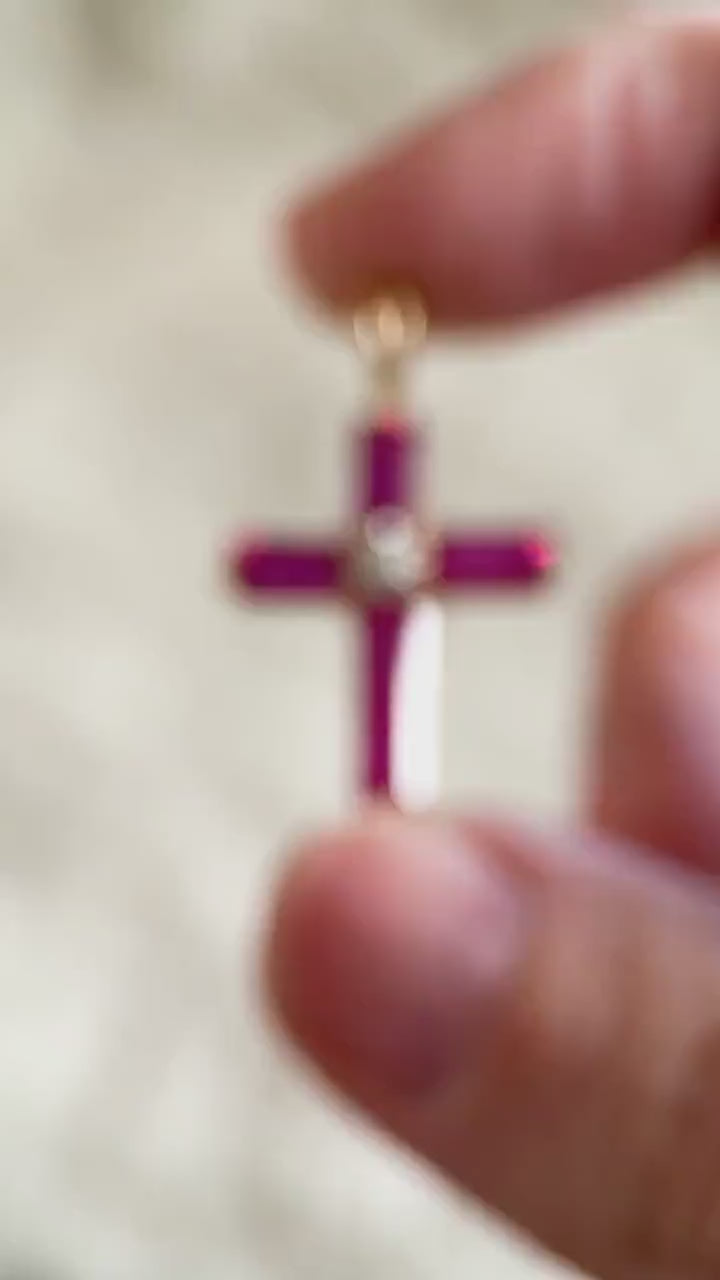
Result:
159,747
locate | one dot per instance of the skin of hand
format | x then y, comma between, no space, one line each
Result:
537,1013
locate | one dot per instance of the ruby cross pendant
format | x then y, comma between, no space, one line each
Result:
392,568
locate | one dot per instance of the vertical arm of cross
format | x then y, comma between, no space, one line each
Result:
400,637
385,458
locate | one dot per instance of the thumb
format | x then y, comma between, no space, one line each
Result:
540,1020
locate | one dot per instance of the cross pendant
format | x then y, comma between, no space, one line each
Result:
392,569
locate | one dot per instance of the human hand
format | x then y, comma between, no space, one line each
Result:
539,1014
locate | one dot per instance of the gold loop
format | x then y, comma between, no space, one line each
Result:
389,328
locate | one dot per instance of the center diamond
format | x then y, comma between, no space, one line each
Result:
391,557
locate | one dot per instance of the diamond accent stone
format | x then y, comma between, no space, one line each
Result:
390,560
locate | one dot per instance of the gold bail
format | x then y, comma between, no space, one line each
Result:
389,330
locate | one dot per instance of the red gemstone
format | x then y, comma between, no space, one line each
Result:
472,560
288,568
388,460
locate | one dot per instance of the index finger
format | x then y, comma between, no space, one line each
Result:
592,170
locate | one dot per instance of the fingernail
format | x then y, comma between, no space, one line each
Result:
687,648
694,606
682,659
395,946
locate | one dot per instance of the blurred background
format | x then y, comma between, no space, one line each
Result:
160,387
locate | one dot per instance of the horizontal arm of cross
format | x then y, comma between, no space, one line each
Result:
471,561
464,562
289,568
